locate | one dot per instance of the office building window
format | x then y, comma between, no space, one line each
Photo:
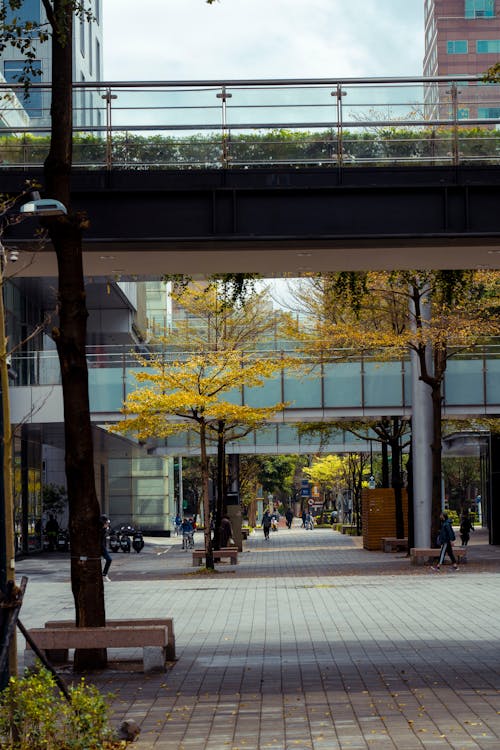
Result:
91,48
479,8
488,46
82,36
97,60
13,70
488,113
457,47
28,11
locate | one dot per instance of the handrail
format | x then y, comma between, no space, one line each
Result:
42,367
342,122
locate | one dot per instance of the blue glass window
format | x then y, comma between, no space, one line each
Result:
29,11
12,71
479,8
488,113
488,46
457,47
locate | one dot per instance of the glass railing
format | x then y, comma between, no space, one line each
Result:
215,124
336,381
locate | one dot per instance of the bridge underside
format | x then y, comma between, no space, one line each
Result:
277,221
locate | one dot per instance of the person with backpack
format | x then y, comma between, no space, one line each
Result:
445,538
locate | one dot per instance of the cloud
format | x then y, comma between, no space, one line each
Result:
187,39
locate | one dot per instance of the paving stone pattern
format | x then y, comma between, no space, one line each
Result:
310,642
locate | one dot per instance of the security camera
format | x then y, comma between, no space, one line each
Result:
13,255
43,207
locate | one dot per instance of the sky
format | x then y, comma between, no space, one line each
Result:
167,40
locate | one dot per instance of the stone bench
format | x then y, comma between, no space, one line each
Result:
165,622
245,532
56,638
423,554
393,544
199,555
349,529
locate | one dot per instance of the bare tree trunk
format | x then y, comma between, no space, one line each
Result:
70,337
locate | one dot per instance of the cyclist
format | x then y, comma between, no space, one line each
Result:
187,533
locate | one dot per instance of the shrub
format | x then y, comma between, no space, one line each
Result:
34,715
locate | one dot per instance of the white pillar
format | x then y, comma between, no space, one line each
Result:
421,447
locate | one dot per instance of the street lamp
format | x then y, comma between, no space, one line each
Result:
36,207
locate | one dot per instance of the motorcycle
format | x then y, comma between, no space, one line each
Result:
114,542
137,541
125,545
62,541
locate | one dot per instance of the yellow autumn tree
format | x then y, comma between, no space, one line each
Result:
344,472
435,314
214,316
196,392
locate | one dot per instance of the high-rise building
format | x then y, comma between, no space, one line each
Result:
462,37
87,63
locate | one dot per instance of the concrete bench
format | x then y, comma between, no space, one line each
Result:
393,544
56,640
348,528
423,554
245,532
165,622
219,554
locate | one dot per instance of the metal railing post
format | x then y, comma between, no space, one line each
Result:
225,155
108,97
339,93
454,111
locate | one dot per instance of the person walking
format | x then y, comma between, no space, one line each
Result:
104,548
445,538
226,531
289,517
266,524
52,530
465,528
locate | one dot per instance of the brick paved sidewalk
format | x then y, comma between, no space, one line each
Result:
309,642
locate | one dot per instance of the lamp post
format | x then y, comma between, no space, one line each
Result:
35,207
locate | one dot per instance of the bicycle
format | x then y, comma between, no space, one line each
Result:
188,540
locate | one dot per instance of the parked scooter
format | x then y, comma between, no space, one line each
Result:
62,541
137,541
125,545
114,542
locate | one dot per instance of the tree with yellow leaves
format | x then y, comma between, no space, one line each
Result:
336,473
435,314
202,390
188,394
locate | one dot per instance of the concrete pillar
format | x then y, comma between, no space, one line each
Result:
421,444
493,514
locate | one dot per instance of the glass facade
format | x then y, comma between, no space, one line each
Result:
29,10
13,71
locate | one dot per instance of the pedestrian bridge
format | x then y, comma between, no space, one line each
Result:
348,388
271,177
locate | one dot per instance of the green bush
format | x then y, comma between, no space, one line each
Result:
34,715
